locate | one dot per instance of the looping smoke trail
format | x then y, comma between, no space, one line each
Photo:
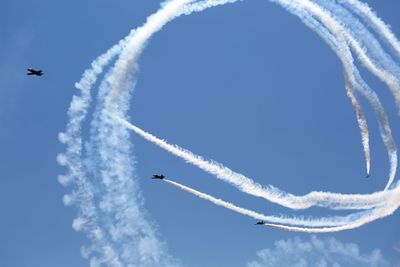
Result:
102,171
342,40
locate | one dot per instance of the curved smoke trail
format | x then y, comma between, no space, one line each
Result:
274,220
101,169
270,193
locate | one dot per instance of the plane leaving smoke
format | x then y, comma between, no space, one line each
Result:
101,168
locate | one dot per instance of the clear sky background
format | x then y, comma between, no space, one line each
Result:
245,84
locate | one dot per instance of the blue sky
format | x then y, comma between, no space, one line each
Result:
245,84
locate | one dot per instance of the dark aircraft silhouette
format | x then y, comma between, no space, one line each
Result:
260,223
35,72
368,175
156,176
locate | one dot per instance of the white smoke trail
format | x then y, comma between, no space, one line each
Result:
343,52
135,45
310,222
375,214
339,46
83,196
119,199
373,47
89,219
347,60
363,10
391,81
353,81
375,50
347,15
273,194
345,223
388,78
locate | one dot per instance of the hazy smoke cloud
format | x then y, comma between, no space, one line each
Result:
317,252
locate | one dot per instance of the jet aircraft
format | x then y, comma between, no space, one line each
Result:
157,176
35,72
260,223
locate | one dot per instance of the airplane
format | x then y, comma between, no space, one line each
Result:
156,176
368,175
35,72
260,223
